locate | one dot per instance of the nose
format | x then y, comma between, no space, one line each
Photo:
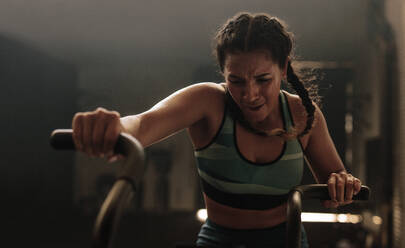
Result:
251,92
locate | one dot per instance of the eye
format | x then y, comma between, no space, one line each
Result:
264,80
233,81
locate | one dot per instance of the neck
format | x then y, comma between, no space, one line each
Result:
272,121
270,126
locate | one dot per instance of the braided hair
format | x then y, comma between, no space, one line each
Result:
247,32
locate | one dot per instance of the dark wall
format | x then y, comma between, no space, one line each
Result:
37,94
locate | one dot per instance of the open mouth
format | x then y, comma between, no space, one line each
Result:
255,108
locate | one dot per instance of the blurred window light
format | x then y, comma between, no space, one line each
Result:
342,218
349,123
377,220
202,215
312,217
353,218
318,217
332,218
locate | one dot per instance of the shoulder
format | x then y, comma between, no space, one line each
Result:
204,90
198,95
211,101
299,115
206,97
208,88
206,93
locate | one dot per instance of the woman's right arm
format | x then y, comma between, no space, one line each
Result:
96,132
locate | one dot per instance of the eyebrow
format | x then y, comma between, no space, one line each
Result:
257,76
262,75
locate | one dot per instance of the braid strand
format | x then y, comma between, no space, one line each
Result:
302,92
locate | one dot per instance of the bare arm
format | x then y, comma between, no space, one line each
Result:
327,166
96,132
176,112
321,152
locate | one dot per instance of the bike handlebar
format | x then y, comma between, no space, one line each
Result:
294,207
122,190
132,172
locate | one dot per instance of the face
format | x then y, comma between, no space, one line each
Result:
253,80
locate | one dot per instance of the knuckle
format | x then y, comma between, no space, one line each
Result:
78,115
100,110
332,179
340,182
87,115
115,115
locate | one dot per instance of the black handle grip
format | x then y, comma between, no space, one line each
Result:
320,191
61,139
294,207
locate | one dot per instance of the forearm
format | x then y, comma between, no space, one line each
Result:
322,174
148,127
321,152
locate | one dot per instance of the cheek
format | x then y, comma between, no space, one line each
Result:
235,92
273,91
235,96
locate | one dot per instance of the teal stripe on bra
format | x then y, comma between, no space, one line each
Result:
216,152
241,188
293,156
220,152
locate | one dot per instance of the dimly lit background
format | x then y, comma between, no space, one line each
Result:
58,57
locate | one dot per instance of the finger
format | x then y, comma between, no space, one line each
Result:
332,186
88,133
98,133
349,189
357,186
340,189
111,134
77,126
330,204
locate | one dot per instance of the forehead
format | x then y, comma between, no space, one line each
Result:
249,62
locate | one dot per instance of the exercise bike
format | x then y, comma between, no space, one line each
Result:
128,179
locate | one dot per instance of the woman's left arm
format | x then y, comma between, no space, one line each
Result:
327,166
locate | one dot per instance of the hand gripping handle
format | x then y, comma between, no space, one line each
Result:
294,207
127,182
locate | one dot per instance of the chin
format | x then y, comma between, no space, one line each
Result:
254,117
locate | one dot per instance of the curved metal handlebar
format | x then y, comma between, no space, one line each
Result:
294,207
122,190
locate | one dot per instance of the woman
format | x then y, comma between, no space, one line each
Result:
249,136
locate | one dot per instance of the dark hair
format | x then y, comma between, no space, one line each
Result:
247,32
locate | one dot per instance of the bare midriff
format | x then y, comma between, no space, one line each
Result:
244,218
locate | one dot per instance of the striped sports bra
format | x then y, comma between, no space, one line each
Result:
230,179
